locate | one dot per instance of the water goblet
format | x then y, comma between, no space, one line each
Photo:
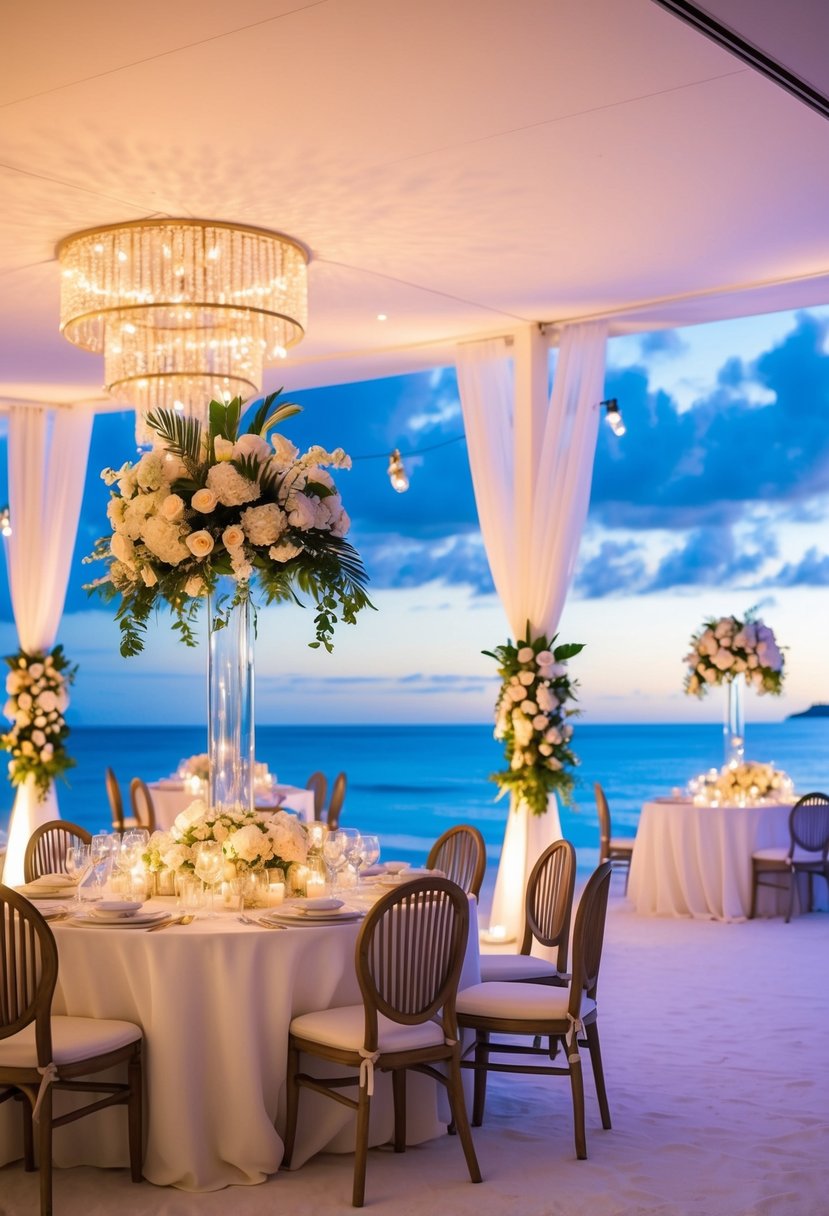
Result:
101,854
209,863
77,863
352,851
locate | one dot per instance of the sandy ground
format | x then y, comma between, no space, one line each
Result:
716,1057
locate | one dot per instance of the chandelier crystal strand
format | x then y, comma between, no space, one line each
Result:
182,310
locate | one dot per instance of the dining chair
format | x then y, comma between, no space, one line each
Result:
548,906
319,784
566,1017
806,854
335,806
116,802
46,847
617,849
41,1052
408,958
461,854
141,801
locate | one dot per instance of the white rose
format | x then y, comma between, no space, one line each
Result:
172,507
46,753
553,735
252,445
545,749
526,654
200,543
24,701
529,708
724,628
223,448
547,700
516,692
723,659
708,644
122,548
36,671
204,500
539,721
526,677
38,738
545,658
554,764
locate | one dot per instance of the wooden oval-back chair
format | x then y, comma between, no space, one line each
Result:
807,853
617,849
461,854
47,845
548,907
335,806
116,802
141,801
566,1017
408,957
40,1052
319,784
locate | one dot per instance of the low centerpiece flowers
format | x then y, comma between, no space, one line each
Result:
233,501
532,718
195,766
38,687
250,840
743,785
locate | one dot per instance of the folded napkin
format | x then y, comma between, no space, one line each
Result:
48,881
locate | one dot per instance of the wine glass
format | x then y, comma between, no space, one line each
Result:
370,851
77,864
209,864
333,851
352,851
130,858
101,854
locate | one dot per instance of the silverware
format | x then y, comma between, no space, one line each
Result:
165,924
250,920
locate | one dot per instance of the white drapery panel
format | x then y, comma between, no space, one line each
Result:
528,451
47,455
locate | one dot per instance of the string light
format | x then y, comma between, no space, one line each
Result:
397,472
396,469
5,523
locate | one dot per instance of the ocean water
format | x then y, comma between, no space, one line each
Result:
409,783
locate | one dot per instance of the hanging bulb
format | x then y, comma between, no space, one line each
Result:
613,417
397,472
5,522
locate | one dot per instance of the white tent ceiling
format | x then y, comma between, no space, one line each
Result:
462,166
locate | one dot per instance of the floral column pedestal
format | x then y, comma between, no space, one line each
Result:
525,838
230,726
734,730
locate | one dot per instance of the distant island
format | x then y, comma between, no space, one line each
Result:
814,711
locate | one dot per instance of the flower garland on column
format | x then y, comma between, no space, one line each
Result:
38,686
532,719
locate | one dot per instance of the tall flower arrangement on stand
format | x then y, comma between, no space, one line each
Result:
38,685
532,717
229,500
726,647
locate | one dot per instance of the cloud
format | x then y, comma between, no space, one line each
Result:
617,567
707,558
662,342
811,571
396,560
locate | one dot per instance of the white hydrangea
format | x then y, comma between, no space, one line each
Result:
230,487
163,540
264,524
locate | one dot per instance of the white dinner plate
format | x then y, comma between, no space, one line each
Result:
293,916
35,893
141,919
51,912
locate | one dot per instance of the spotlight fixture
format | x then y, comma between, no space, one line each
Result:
613,417
397,472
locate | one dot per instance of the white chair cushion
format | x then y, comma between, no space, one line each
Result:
73,1040
780,855
514,967
531,1002
345,1029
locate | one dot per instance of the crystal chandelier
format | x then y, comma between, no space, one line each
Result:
182,310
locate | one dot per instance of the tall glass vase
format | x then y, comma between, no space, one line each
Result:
230,732
734,722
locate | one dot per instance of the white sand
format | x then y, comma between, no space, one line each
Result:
717,1064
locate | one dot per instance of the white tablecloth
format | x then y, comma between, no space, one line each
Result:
696,860
215,1000
171,797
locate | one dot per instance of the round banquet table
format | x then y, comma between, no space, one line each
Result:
692,860
215,999
171,797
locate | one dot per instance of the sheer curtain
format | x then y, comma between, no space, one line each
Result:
531,477
47,456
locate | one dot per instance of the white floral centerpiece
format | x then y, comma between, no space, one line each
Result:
38,685
726,647
250,840
532,719
196,766
227,501
743,784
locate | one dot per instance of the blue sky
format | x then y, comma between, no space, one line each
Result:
714,501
